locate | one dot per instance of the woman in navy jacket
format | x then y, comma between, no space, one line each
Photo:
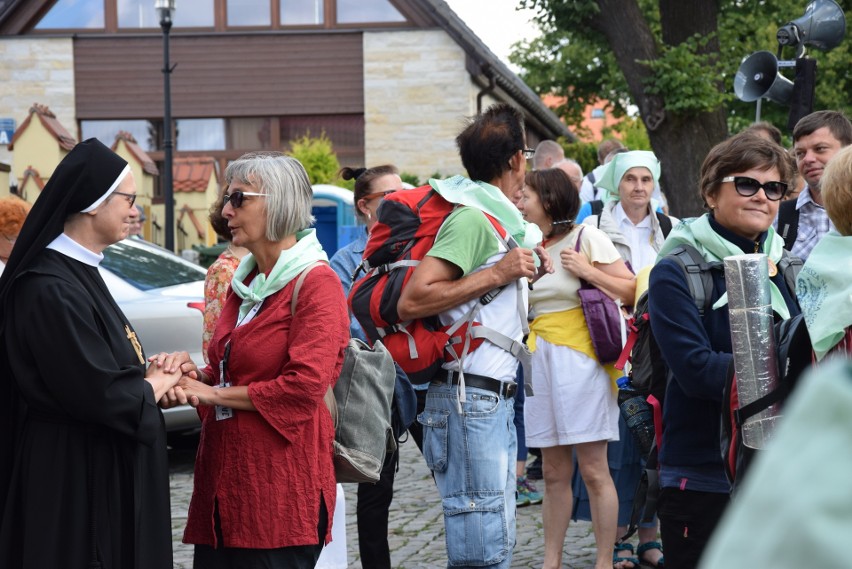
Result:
742,181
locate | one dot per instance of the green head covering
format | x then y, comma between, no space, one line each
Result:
615,169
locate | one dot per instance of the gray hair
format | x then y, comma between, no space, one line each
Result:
284,180
547,149
574,162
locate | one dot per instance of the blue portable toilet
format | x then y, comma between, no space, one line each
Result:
334,210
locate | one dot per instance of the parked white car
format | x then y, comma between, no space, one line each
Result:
162,295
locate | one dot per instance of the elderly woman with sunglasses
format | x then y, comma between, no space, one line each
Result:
742,181
264,480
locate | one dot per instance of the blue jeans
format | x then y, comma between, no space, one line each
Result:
472,455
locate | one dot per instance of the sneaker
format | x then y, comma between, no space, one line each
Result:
526,489
534,469
521,500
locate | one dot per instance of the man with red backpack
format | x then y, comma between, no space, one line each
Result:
469,440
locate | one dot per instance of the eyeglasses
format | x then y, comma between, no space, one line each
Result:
130,197
528,152
747,187
378,195
10,239
236,198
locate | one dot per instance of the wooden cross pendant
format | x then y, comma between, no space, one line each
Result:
131,335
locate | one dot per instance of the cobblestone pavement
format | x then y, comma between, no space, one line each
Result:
416,525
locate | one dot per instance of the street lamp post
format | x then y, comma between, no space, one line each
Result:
166,9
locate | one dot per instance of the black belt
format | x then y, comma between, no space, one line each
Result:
502,388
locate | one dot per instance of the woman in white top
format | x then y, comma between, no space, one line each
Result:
574,407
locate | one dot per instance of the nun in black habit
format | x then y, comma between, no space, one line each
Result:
83,464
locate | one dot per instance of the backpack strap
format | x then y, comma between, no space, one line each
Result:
789,265
698,274
788,223
665,223
591,178
597,208
299,282
328,398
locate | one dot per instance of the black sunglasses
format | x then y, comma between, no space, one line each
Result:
528,153
130,197
236,198
747,187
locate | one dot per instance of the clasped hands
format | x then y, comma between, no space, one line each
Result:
520,263
192,386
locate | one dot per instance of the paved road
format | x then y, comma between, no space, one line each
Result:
416,525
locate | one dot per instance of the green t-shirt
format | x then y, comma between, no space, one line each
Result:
466,239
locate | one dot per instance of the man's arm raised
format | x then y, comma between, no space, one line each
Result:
437,285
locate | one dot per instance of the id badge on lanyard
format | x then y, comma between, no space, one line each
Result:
223,412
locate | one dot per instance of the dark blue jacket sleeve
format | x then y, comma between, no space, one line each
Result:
687,340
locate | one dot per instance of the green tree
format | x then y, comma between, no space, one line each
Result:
317,156
675,60
585,153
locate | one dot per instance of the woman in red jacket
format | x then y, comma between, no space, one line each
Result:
264,480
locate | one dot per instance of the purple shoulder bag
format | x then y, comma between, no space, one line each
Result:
603,318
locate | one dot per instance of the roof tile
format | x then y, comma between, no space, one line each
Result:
192,174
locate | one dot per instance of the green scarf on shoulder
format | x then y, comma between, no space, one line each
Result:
289,265
491,200
824,288
698,233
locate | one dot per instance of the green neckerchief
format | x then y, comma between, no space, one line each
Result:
824,289
713,247
491,200
290,263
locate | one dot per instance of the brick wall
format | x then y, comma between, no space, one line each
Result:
417,94
36,70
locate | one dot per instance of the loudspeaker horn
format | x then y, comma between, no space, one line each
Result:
822,27
758,77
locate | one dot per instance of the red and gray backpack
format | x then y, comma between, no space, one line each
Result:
408,223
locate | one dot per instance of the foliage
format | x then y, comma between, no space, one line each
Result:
572,58
631,131
410,178
317,156
681,72
585,153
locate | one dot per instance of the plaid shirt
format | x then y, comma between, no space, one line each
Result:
813,224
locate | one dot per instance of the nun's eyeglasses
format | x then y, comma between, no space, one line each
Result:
130,197
236,198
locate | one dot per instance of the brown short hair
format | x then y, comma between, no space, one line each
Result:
836,122
559,198
741,152
217,220
13,212
765,127
607,147
364,178
836,188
